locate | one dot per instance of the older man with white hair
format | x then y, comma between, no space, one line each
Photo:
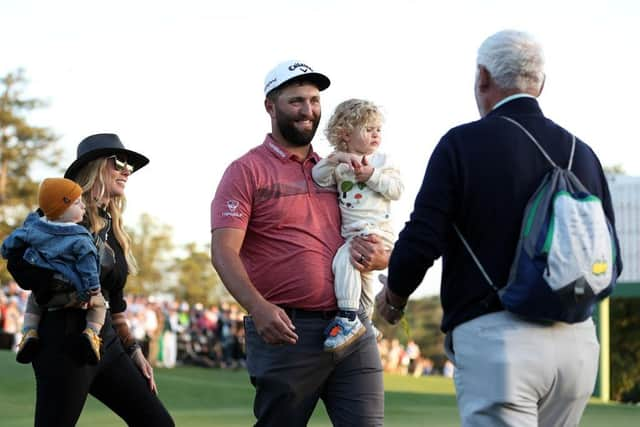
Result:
510,371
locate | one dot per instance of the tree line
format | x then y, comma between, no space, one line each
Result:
24,147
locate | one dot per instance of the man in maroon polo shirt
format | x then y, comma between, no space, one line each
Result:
274,235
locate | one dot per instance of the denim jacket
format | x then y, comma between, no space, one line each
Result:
66,249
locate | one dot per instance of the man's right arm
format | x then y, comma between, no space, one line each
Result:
272,323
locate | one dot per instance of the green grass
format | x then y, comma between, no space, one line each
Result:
212,397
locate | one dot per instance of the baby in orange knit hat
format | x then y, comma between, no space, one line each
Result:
56,242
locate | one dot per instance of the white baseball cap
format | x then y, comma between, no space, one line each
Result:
293,69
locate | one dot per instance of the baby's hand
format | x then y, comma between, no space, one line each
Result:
363,171
341,157
351,159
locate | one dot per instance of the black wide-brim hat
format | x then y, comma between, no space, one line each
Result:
103,145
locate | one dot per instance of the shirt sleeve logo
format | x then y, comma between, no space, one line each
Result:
232,206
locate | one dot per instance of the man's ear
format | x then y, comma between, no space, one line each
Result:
484,78
544,79
269,107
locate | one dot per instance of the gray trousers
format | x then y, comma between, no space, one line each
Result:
512,372
289,379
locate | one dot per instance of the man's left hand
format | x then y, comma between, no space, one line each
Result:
368,253
389,305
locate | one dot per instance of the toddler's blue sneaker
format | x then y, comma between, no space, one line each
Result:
341,332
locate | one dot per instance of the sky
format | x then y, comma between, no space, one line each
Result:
181,81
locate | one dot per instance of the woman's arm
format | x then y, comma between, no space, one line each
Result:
132,348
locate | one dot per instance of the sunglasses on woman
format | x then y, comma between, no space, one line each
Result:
120,164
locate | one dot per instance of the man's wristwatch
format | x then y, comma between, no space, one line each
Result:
392,307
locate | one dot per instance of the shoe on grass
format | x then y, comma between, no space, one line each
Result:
341,332
28,347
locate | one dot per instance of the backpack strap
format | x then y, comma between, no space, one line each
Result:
544,153
535,141
573,150
475,258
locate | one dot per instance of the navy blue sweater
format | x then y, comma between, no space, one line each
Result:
480,176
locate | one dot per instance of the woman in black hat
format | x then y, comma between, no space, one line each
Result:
123,379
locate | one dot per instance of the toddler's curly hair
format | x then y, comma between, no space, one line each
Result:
348,116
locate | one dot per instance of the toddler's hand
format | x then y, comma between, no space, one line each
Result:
363,170
341,157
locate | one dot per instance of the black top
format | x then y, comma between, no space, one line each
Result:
480,176
113,268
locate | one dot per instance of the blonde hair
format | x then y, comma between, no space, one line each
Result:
92,177
350,115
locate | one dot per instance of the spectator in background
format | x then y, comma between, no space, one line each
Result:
13,316
6,339
448,369
210,317
137,322
13,320
184,318
413,353
3,308
239,342
12,289
225,334
238,334
154,327
396,352
170,335
424,366
383,349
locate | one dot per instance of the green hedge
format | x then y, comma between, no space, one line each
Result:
625,349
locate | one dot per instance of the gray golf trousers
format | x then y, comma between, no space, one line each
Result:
289,379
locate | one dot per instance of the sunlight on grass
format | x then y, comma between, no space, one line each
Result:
212,397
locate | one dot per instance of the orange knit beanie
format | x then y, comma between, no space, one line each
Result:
56,195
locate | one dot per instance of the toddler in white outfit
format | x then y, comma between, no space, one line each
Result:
367,182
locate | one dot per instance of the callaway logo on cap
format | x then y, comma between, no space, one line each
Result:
293,69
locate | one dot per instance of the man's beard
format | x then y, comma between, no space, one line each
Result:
297,138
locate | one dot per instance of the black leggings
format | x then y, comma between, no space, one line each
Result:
63,382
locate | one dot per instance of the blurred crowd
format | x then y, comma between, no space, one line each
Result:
407,360
176,333
13,301
170,332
